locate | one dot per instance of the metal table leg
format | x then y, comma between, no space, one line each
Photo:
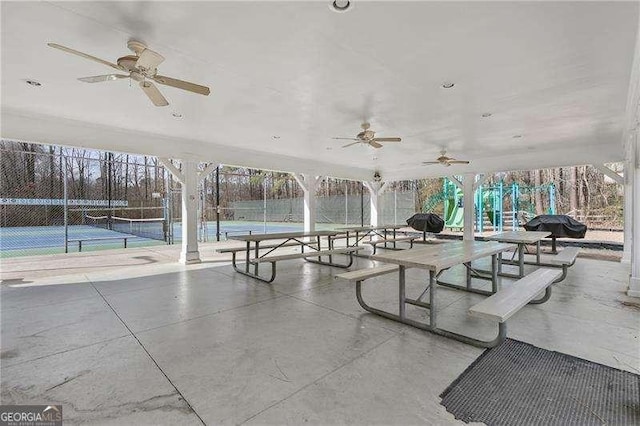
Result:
494,273
256,254
521,260
432,326
246,257
401,293
432,299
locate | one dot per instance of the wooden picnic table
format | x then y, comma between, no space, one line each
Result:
521,238
436,259
310,240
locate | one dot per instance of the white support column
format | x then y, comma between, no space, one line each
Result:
189,179
468,205
309,184
628,206
634,171
627,182
375,190
189,253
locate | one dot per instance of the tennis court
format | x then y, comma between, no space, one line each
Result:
34,240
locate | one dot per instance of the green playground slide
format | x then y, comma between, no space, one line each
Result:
456,217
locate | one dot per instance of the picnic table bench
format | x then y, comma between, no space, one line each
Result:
362,232
309,240
563,259
384,241
499,307
80,240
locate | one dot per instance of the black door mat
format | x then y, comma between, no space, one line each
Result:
520,384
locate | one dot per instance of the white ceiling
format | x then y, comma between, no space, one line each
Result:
556,73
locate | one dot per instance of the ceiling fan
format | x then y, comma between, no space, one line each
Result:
368,137
445,161
141,67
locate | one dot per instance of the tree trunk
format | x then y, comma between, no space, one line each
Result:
537,194
573,190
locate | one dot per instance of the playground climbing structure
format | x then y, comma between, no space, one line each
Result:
497,206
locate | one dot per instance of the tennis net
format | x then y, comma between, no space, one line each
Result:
152,228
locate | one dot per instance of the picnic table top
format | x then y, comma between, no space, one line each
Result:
442,256
369,228
519,237
281,235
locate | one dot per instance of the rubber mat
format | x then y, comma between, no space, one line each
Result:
520,384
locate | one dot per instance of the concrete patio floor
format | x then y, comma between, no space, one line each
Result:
130,337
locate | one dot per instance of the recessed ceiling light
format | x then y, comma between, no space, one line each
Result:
329,148
448,85
33,83
517,136
486,114
340,5
275,137
176,115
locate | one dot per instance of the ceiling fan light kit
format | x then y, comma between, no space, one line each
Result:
368,137
141,67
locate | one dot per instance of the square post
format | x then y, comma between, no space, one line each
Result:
189,253
468,206
309,184
376,188
634,171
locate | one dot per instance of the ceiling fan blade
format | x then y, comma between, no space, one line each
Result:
153,93
375,144
347,139
83,55
101,78
387,139
458,162
349,144
149,59
180,84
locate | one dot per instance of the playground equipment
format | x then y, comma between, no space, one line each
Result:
496,207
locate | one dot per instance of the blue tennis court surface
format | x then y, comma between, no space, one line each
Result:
33,240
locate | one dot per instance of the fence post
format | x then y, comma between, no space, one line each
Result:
264,202
362,204
218,203
66,205
346,204
395,205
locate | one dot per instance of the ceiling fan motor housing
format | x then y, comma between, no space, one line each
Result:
366,135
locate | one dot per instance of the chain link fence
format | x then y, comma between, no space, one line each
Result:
56,200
